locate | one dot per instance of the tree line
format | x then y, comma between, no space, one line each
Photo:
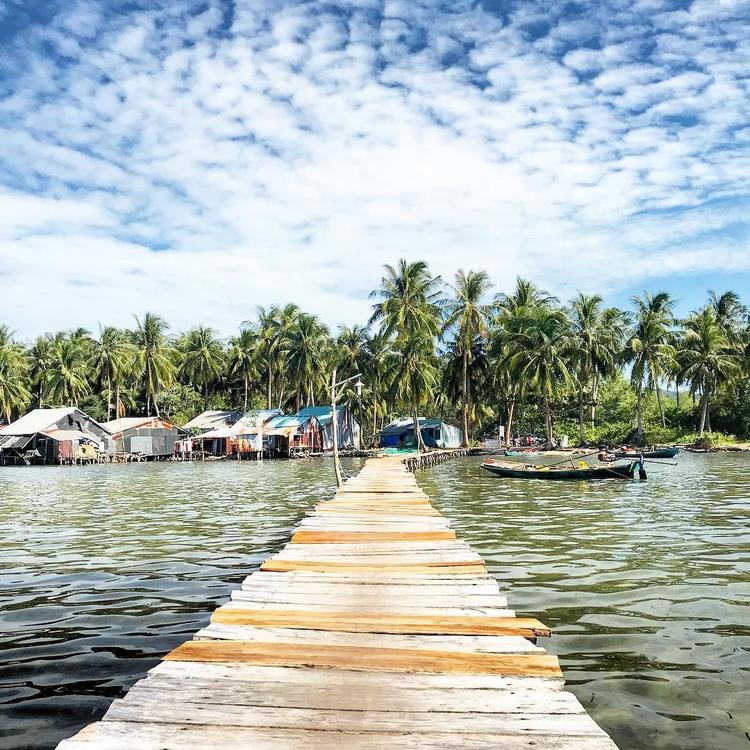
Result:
523,360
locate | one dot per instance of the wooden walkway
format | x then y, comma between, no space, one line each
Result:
373,628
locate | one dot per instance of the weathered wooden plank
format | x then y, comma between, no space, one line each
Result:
115,735
344,604
498,644
346,679
417,557
446,582
415,598
333,566
375,659
363,622
327,696
354,537
377,547
143,707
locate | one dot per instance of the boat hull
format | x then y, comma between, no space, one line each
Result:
657,453
622,471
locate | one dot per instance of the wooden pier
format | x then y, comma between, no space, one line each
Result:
375,627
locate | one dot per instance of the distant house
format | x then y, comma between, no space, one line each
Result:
150,437
435,433
50,436
348,426
287,436
212,420
243,437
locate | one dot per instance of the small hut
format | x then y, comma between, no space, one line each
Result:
51,436
146,437
243,437
435,433
289,436
348,426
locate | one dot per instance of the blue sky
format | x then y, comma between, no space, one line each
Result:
199,158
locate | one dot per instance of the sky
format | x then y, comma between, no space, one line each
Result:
197,159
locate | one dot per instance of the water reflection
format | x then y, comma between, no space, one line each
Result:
647,587
103,569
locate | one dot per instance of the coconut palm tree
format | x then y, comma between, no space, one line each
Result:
112,359
66,378
730,313
650,349
307,342
513,313
467,316
201,359
709,358
379,373
243,359
154,366
15,394
599,339
40,355
541,354
416,378
410,309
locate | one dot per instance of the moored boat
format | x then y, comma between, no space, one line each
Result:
529,471
670,452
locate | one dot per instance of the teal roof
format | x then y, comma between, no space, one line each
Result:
322,413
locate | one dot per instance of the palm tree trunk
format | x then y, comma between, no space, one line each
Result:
246,390
704,414
270,379
156,406
509,423
205,398
661,408
548,421
148,405
639,413
594,399
677,392
581,426
109,399
117,402
465,441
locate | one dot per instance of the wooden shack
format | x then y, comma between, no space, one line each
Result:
62,435
146,437
348,426
296,435
435,433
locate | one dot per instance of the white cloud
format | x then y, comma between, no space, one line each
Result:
291,156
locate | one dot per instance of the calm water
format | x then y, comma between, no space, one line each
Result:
103,569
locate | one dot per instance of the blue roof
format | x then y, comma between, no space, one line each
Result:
322,413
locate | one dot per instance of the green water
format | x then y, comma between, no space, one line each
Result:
103,569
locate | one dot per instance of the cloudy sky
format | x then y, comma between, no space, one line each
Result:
199,158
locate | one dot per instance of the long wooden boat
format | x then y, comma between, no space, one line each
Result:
528,471
653,453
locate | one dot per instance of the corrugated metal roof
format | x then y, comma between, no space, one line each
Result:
129,423
212,419
40,420
407,423
7,442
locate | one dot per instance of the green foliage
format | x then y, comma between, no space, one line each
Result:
180,403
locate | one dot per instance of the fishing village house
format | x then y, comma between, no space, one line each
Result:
245,437
435,433
62,435
310,431
151,438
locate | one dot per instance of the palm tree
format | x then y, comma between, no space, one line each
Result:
112,360
730,312
416,377
306,344
649,348
201,359
66,378
379,373
153,363
409,309
243,357
14,376
40,356
469,316
709,358
598,335
513,313
541,355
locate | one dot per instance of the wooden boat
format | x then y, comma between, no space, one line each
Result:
653,453
529,471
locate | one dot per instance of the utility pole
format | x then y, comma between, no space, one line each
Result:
336,389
